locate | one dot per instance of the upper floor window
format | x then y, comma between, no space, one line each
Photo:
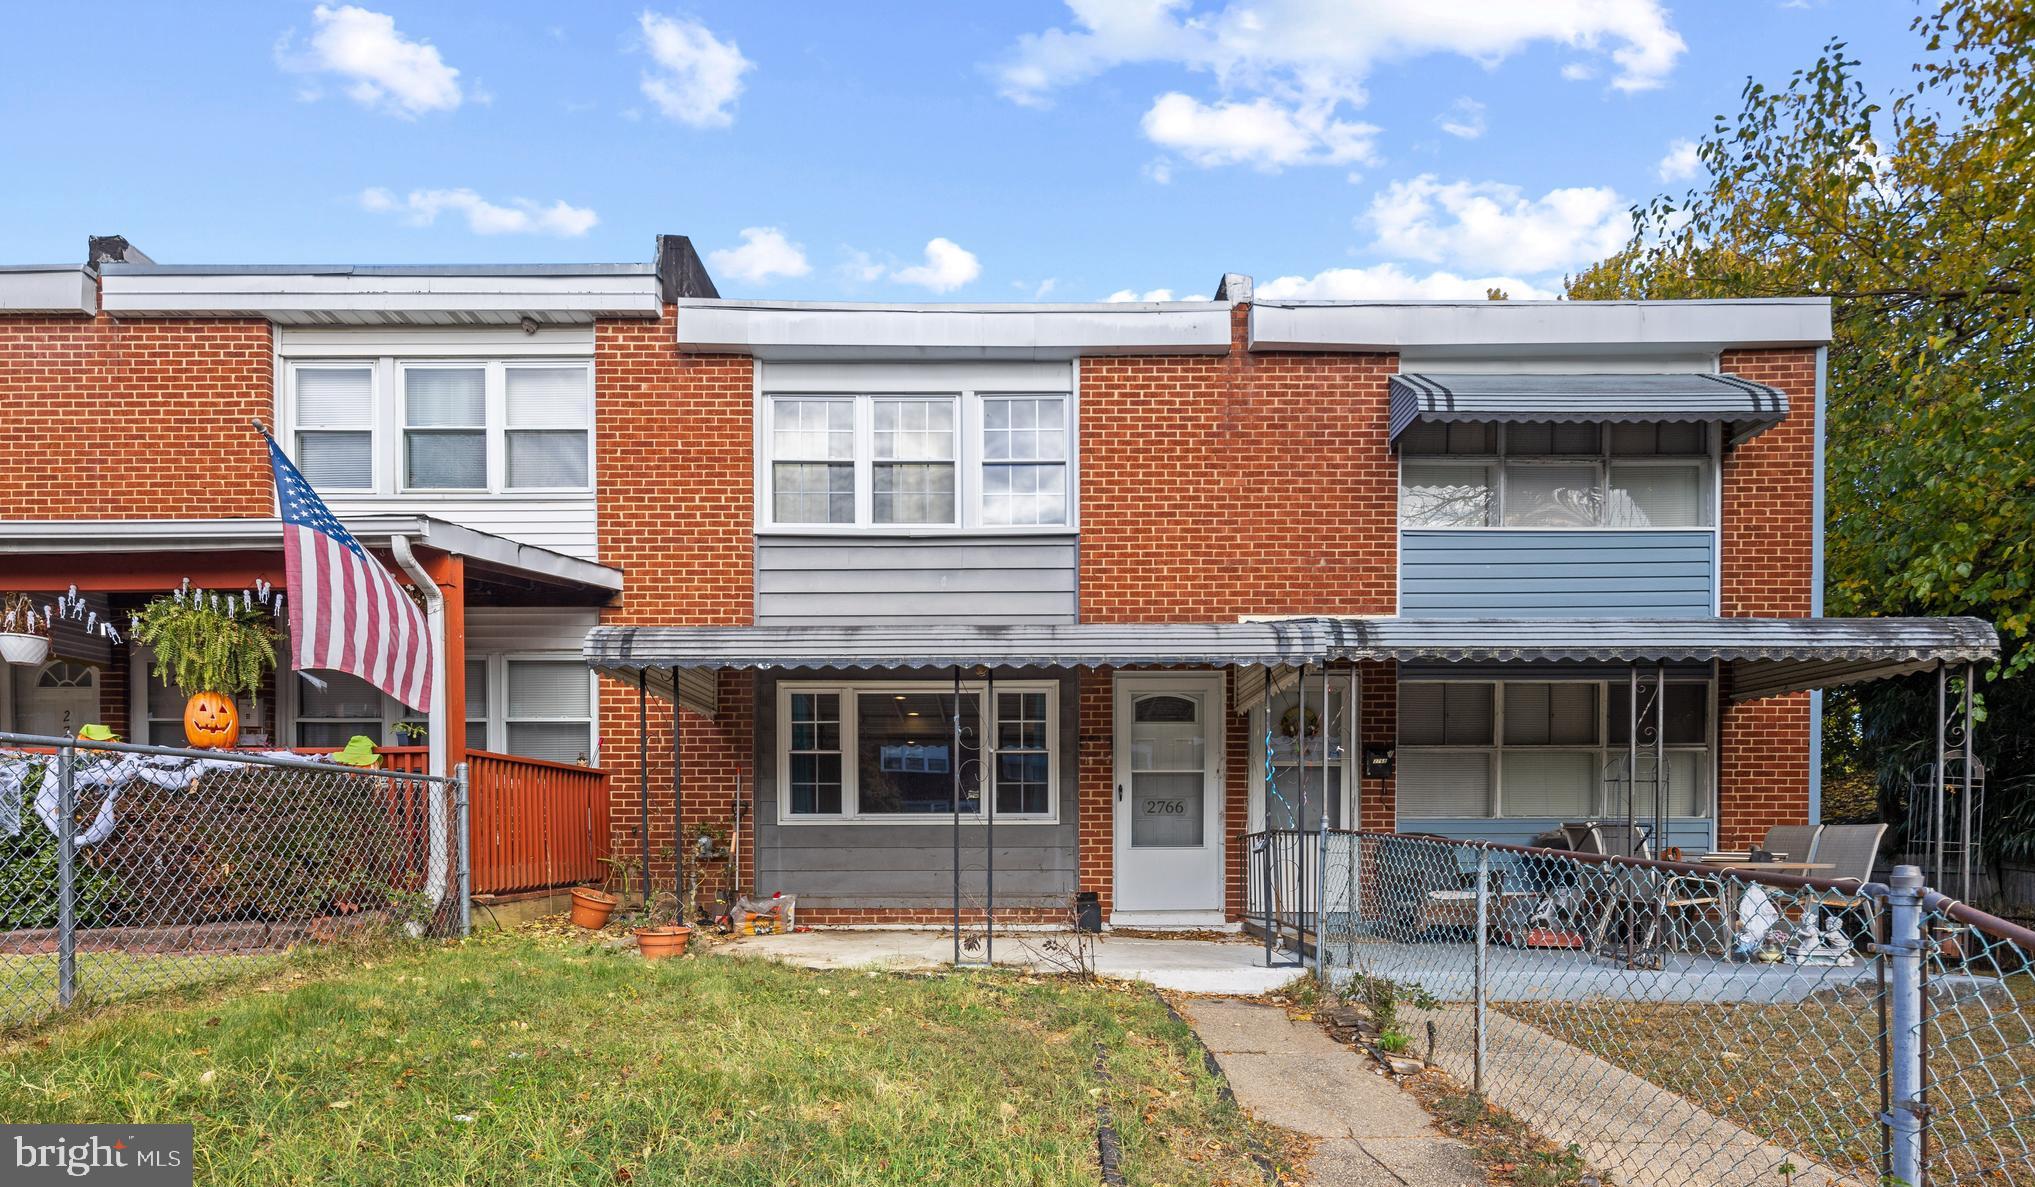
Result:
389,426
919,460
1637,476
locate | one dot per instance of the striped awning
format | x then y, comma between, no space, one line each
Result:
1745,408
1759,657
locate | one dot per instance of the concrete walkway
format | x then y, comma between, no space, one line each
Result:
1292,1074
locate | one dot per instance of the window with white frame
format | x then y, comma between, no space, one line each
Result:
548,709
445,425
332,707
887,752
1544,749
1637,476
907,461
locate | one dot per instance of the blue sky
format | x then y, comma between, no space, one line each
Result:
892,151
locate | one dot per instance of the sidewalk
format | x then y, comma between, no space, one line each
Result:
1292,1074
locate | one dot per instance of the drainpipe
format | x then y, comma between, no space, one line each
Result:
434,615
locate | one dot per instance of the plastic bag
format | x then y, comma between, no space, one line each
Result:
765,916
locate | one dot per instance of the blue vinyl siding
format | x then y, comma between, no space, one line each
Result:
1556,574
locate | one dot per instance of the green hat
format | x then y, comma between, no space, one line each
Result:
359,752
96,733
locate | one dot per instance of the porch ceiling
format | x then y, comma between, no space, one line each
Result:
492,559
1763,656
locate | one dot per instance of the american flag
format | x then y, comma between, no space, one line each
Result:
347,613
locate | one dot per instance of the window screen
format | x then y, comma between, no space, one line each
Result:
549,710
546,437
445,440
1556,714
1444,496
1656,497
1437,714
1444,783
1549,783
1551,496
1687,713
335,435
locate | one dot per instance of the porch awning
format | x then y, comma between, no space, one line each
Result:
1761,656
680,661
1745,408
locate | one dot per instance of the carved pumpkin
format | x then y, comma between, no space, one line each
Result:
211,722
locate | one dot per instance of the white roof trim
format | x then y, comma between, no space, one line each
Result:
204,535
384,296
825,330
48,288
1486,326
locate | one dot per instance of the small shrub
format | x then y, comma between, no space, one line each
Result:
1394,1042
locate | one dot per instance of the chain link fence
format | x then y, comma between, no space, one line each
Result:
1686,1023
129,869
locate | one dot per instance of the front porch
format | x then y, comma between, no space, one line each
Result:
981,776
517,708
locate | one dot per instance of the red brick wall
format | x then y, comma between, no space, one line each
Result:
673,442
134,418
1768,557
1247,484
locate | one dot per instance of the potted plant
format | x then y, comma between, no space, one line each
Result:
24,630
590,907
211,647
662,936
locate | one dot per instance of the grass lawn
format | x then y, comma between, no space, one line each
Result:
28,984
533,1057
1806,1075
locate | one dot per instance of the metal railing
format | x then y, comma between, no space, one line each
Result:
1689,1023
126,869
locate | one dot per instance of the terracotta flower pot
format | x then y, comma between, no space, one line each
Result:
659,943
591,908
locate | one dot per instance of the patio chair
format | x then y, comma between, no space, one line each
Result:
1793,842
1850,850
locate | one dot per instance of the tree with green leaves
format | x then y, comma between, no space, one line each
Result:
1914,212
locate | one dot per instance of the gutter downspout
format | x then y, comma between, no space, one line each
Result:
434,614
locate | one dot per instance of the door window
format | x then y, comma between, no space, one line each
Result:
1168,772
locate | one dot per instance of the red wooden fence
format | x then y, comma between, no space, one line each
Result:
532,824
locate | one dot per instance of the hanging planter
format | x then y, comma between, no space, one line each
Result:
20,647
25,627
211,647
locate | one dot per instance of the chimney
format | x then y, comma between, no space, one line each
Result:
113,249
680,271
1235,287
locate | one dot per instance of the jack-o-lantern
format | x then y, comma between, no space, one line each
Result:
211,722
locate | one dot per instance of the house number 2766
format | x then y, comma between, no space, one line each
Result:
1165,807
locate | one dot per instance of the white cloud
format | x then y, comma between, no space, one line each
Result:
1122,295
1285,70
1261,133
764,255
1160,171
861,267
378,66
1464,118
1389,282
1579,72
1490,225
521,216
697,75
1682,161
948,266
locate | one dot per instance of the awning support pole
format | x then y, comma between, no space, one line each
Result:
643,770
987,778
954,774
1970,762
1631,748
1660,758
678,809
1941,781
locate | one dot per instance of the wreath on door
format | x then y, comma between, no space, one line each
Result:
1289,723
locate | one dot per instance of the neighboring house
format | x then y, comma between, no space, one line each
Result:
1417,558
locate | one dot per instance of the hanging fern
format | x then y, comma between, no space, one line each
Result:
211,642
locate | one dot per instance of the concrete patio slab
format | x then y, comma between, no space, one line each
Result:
1188,966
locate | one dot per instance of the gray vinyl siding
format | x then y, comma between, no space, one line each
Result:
1556,574
878,580
907,866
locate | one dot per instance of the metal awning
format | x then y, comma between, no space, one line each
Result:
1745,408
1761,656
680,661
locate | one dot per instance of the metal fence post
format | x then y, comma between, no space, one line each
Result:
1321,906
1903,952
460,802
1483,951
67,922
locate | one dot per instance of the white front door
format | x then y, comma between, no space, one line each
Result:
1168,800
55,699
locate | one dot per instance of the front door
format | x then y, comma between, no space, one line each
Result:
55,699
1169,800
